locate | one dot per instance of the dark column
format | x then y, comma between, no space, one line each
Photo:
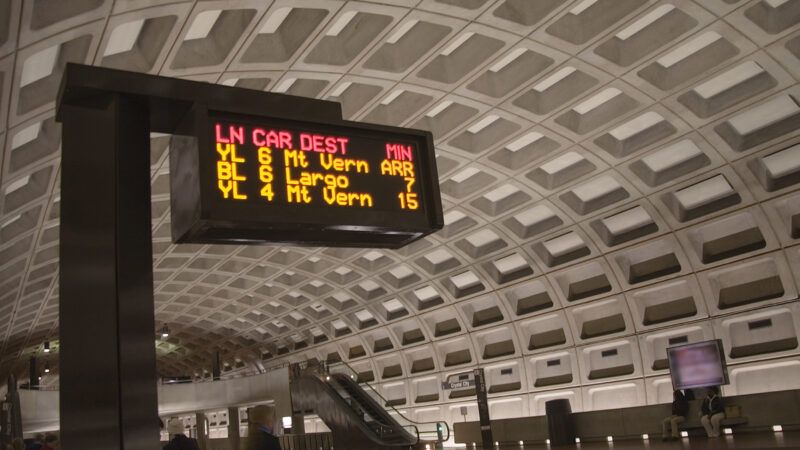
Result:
107,355
215,367
33,375
201,429
298,423
233,428
483,410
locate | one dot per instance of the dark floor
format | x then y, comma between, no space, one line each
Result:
786,439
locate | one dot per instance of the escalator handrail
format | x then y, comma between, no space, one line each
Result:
384,405
385,417
376,411
363,424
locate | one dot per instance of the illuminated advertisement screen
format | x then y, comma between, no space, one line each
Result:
275,180
697,365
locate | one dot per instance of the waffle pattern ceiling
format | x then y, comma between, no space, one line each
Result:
609,168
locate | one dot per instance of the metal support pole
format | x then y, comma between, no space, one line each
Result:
201,428
108,398
107,357
33,375
483,410
233,428
216,367
298,423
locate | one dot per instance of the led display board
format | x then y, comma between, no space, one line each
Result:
701,364
243,179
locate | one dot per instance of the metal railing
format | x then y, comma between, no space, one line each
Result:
226,376
425,431
310,441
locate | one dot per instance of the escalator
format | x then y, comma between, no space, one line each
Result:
353,411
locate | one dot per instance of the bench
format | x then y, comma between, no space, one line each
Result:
726,422
693,417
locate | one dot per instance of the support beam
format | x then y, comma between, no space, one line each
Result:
33,375
216,367
234,440
201,430
106,312
106,316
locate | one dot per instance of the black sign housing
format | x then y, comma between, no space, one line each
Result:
243,179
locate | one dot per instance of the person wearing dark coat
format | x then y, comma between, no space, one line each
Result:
712,411
261,429
178,440
680,406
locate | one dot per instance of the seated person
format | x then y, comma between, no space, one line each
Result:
712,412
669,427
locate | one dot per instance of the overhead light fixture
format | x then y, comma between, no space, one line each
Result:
47,368
47,346
164,332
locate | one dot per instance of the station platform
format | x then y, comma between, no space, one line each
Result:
767,440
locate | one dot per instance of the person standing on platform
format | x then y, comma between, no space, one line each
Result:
178,440
712,412
670,427
261,434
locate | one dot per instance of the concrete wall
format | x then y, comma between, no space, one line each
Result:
189,397
40,408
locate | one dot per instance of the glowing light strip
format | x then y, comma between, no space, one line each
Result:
511,57
391,97
524,141
275,21
485,122
285,85
688,49
548,82
646,20
123,38
26,135
581,7
341,88
597,100
401,31
39,65
457,43
202,25
439,108
18,184
341,23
